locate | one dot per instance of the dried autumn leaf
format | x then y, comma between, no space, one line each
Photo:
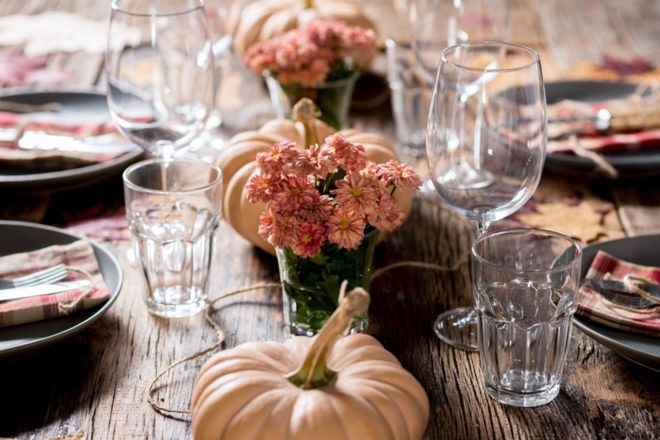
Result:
580,221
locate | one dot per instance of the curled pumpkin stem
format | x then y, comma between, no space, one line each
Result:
314,371
306,112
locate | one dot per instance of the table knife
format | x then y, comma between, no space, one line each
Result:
44,289
618,286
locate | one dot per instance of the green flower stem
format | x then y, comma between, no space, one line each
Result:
314,371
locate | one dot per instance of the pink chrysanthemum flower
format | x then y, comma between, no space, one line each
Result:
277,229
389,214
346,228
356,193
262,188
351,157
274,159
308,240
319,211
294,193
399,174
317,161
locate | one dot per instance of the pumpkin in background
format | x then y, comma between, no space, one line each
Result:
264,19
323,388
238,162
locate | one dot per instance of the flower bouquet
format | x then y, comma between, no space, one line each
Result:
319,61
325,206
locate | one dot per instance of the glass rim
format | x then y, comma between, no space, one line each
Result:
133,186
535,55
116,8
528,231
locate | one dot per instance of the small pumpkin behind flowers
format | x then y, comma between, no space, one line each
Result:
238,164
323,388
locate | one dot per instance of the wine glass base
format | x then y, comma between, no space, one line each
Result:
458,328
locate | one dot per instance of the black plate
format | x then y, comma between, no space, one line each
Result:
634,164
80,106
22,339
641,349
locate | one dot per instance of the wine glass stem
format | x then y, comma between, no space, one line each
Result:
482,227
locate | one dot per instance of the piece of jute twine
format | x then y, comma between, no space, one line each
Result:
66,308
220,336
632,284
636,111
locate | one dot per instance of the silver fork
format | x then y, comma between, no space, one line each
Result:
45,276
631,300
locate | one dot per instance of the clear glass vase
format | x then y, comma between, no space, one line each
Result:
332,98
310,286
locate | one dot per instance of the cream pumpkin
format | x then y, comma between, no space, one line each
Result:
265,19
238,162
353,389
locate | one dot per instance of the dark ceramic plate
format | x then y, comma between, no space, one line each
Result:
22,339
641,349
81,106
632,164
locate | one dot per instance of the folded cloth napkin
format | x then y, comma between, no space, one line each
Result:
593,306
81,264
14,127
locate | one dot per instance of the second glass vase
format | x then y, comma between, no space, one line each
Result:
332,98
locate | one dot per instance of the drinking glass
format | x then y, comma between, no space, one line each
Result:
161,90
436,24
486,141
525,284
173,209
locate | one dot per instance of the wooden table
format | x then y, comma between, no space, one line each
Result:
93,385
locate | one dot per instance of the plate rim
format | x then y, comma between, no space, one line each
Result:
29,180
34,345
584,324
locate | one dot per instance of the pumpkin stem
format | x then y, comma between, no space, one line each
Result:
307,4
306,112
314,372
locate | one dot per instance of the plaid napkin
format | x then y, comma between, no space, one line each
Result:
594,307
79,255
12,127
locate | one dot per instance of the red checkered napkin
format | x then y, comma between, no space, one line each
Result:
594,307
14,157
78,255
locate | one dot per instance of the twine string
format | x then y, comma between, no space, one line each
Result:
220,337
66,308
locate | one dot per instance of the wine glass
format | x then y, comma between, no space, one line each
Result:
486,141
161,86
436,24
222,19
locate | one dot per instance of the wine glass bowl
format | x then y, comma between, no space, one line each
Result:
161,90
486,141
436,24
